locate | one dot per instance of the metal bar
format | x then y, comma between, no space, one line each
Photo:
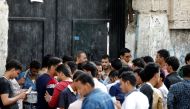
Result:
27,19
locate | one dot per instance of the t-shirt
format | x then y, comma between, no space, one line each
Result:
44,83
5,88
67,97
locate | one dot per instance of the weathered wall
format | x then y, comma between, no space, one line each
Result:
3,34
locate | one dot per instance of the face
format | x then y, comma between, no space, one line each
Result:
169,68
82,58
138,78
15,73
34,71
123,86
99,68
158,59
83,89
157,78
126,57
105,64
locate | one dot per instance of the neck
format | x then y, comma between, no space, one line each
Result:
152,83
162,64
50,74
107,71
7,75
187,78
131,89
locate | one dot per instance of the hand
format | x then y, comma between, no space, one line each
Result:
47,97
21,81
118,104
22,95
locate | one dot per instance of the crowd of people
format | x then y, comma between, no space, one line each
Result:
78,83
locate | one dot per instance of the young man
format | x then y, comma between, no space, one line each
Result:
172,64
8,100
151,76
106,66
70,94
187,62
63,74
125,56
81,57
94,98
161,57
138,63
47,82
179,96
133,99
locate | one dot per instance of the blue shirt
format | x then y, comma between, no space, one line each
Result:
179,95
28,81
97,99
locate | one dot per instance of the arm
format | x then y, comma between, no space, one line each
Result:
54,99
7,101
171,99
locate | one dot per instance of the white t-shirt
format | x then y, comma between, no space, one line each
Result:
100,85
164,92
76,105
135,100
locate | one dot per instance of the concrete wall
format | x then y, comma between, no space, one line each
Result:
3,34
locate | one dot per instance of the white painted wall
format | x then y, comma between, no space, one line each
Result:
3,34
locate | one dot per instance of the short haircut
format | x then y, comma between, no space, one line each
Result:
139,62
162,75
54,61
113,73
187,57
63,69
129,76
138,70
123,51
85,78
72,65
105,56
45,60
97,63
173,62
76,74
164,53
149,71
116,64
186,71
13,64
78,54
90,66
35,64
123,69
67,58
148,59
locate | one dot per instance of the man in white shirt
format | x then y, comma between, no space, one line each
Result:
133,99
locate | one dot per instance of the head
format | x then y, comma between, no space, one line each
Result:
81,57
116,64
125,54
187,58
161,56
128,81
105,62
67,58
45,60
186,71
75,76
72,65
123,69
113,76
138,62
172,64
35,67
62,72
99,67
90,68
137,72
53,63
162,78
151,73
13,67
147,59
85,84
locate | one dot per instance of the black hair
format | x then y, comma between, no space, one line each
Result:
105,56
72,65
129,76
162,75
173,62
67,58
97,63
116,64
149,71
54,61
148,59
187,57
63,69
45,60
13,63
35,64
78,54
123,51
123,69
85,78
113,73
139,62
164,53
89,66
138,70
76,74
186,71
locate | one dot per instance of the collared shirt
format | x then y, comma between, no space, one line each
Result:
172,78
110,85
99,85
179,95
135,100
97,99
